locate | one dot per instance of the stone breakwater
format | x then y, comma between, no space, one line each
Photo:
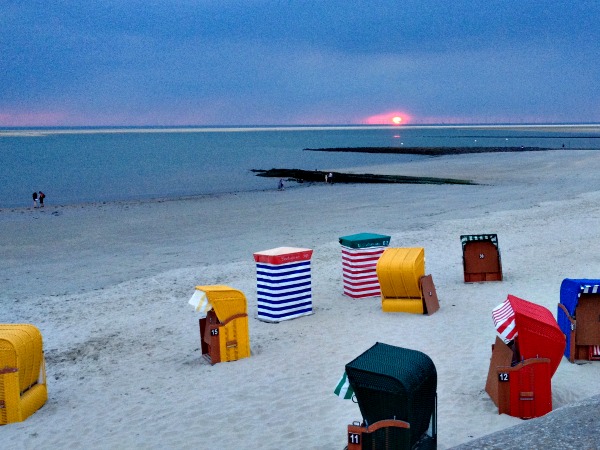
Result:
428,151
301,176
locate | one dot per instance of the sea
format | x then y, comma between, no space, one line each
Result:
83,165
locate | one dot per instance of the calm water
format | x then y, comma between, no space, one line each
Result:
83,165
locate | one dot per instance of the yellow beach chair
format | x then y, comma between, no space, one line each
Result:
404,285
22,372
224,334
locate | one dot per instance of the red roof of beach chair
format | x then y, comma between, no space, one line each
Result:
539,336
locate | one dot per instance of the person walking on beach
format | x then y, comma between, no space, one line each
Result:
35,197
280,185
42,197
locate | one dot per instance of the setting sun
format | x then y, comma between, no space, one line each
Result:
389,118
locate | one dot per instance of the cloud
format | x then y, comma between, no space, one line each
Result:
264,62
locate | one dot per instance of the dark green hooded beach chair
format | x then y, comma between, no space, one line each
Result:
396,392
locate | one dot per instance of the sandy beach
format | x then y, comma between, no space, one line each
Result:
108,285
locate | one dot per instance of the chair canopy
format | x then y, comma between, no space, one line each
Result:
22,372
466,238
399,271
283,255
365,240
395,383
571,290
225,301
538,333
21,347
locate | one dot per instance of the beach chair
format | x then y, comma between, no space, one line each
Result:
22,372
579,318
224,334
396,392
481,258
283,283
360,253
404,285
524,358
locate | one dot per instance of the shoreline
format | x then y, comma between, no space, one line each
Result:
39,131
134,201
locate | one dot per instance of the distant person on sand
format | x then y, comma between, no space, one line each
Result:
330,176
280,186
42,197
34,195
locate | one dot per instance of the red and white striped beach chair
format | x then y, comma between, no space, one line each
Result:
525,356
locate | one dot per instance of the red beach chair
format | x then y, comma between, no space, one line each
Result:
525,358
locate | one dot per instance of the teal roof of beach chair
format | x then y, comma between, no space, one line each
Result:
365,240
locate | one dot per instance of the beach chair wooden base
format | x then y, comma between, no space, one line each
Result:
224,341
582,352
584,329
209,338
481,277
502,356
385,434
523,390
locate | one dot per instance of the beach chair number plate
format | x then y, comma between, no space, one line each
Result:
214,332
353,438
503,376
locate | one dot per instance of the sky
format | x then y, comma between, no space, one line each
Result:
304,62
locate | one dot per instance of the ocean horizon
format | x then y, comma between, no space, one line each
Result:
73,165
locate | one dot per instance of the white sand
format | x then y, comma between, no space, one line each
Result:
108,286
